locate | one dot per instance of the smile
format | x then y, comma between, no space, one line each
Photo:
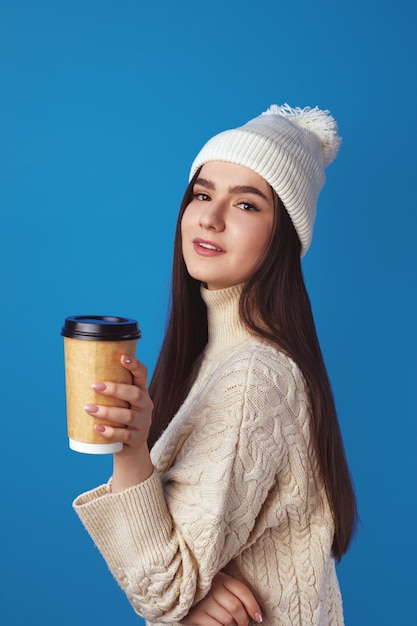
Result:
209,246
204,247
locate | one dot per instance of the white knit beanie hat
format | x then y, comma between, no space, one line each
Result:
290,149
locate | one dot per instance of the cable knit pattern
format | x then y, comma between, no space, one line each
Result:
235,488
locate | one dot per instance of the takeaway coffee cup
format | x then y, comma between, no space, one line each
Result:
93,345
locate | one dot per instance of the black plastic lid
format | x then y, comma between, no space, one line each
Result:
100,328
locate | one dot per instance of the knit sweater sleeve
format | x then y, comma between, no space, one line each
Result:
166,538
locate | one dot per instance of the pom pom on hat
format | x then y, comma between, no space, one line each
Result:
289,148
319,122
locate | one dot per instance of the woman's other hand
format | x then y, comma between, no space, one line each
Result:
228,603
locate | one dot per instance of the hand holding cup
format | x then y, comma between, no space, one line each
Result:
127,417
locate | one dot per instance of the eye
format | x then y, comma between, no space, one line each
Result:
247,206
199,195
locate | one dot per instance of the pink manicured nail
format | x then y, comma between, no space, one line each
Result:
258,618
126,359
91,408
99,428
99,386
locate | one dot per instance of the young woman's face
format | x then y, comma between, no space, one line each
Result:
227,225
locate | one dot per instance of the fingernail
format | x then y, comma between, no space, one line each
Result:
258,618
99,428
99,386
91,408
126,359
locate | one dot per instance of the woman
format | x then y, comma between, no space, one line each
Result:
245,501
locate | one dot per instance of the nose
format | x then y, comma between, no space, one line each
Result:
212,218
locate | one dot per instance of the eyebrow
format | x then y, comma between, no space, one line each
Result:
208,184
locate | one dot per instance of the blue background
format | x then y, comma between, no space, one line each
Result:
103,107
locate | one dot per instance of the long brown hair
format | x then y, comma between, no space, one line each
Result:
274,305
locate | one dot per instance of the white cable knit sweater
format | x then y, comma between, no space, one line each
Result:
235,488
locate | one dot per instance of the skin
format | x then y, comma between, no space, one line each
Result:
229,603
225,231
227,226
132,465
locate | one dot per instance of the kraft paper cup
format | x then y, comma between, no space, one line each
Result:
93,346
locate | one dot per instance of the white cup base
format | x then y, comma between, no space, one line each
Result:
95,448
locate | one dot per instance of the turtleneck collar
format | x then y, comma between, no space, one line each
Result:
225,328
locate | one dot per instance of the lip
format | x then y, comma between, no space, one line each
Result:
205,247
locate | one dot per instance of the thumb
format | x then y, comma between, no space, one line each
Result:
138,370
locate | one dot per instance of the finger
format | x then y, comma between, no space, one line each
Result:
200,618
210,613
244,595
225,606
231,612
110,414
130,393
138,370
132,438
116,417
